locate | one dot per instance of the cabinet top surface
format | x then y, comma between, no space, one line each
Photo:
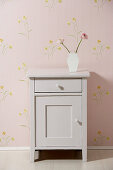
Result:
56,73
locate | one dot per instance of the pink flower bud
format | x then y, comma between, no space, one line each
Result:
84,36
60,41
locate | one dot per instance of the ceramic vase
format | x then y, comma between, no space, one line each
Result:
73,61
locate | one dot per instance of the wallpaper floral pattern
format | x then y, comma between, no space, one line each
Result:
100,3
4,46
4,93
23,68
28,38
51,3
76,32
99,48
24,114
51,48
100,139
99,94
26,27
5,139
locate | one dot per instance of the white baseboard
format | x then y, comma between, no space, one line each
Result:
100,147
14,148
28,148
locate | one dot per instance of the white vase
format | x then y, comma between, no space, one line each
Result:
72,62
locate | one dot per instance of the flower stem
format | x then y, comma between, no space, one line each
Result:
78,45
66,48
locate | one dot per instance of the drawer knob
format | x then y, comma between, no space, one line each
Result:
79,122
59,87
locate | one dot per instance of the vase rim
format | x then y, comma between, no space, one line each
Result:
73,52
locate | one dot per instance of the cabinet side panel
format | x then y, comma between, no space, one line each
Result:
32,121
84,119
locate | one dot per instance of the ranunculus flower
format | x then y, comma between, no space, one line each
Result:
60,41
84,36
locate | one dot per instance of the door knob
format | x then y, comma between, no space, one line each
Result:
79,122
59,87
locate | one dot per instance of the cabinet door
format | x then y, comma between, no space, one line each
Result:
56,121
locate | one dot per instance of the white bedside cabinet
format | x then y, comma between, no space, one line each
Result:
58,108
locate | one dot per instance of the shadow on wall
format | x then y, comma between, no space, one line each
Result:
100,110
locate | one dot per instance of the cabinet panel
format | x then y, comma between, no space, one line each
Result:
56,123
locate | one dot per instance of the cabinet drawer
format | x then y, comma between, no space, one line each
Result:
57,85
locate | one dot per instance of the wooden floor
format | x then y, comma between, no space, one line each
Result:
57,160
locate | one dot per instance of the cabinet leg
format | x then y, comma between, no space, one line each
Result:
32,155
37,154
84,155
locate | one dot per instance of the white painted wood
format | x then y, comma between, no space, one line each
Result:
57,85
57,94
32,116
84,119
55,148
59,106
100,147
61,111
14,148
56,73
58,148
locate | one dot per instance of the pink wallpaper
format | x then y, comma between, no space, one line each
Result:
28,34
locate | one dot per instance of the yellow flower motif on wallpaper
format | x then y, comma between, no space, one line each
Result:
51,48
5,139
74,19
99,94
100,138
26,27
99,48
46,48
98,41
4,46
19,21
24,18
98,87
100,3
68,23
4,93
10,46
25,116
23,68
76,32
99,132
59,48
3,133
13,139
107,92
1,40
107,138
107,47
1,87
60,1
50,41
51,3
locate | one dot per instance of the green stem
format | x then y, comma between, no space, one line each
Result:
78,45
66,48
